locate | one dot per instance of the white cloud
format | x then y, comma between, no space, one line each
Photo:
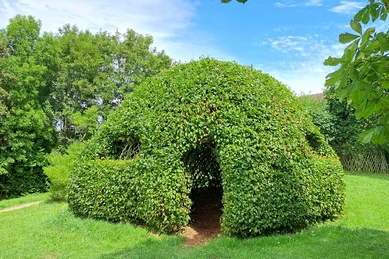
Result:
283,29
291,4
308,75
301,77
156,17
313,3
348,7
168,21
301,45
281,5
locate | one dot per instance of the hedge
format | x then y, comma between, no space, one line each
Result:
210,123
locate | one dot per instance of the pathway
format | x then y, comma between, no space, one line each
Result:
20,206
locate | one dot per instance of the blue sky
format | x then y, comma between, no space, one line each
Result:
289,39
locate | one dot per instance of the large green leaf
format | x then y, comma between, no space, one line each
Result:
374,12
380,66
384,15
333,77
359,15
366,16
379,135
374,45
356,26
365,137
350,51
366,35
330,61
347,37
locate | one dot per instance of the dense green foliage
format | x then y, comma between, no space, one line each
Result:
321,117
337,122
58,89
205,124
5,79
26,132
59,168
362,76
94,73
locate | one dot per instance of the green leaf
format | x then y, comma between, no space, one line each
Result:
366,16
374,13
344,92
347,37
344,79
365,137
331,78
356,26
350,51
379,135
384,15
225,1
366,36
330,61
360,14
374,45
380,66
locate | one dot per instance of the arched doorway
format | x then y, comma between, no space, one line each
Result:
206,192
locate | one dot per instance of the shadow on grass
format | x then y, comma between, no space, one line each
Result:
321,242
165,247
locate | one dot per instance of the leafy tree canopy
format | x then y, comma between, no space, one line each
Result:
96,72
26,132
61,85
362,75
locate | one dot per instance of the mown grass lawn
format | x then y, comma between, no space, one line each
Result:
49,230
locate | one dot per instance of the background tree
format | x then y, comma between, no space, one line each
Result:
5,78
26,131
60,87
337,122
96,72
362,77
354,155
321,117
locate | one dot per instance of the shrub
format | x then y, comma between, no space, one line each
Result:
205,124
59,169
26,137
354,155
321,117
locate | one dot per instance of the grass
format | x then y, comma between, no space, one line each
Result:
26,199
49,230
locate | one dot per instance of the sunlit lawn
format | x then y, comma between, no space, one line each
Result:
49,230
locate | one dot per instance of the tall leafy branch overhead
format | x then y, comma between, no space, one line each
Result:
362,75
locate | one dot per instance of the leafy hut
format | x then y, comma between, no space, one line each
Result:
210,124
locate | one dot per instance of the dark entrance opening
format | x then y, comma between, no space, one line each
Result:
206,192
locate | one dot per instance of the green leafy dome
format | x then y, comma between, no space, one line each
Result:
211,123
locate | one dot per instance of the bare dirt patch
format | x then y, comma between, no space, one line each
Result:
205,217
